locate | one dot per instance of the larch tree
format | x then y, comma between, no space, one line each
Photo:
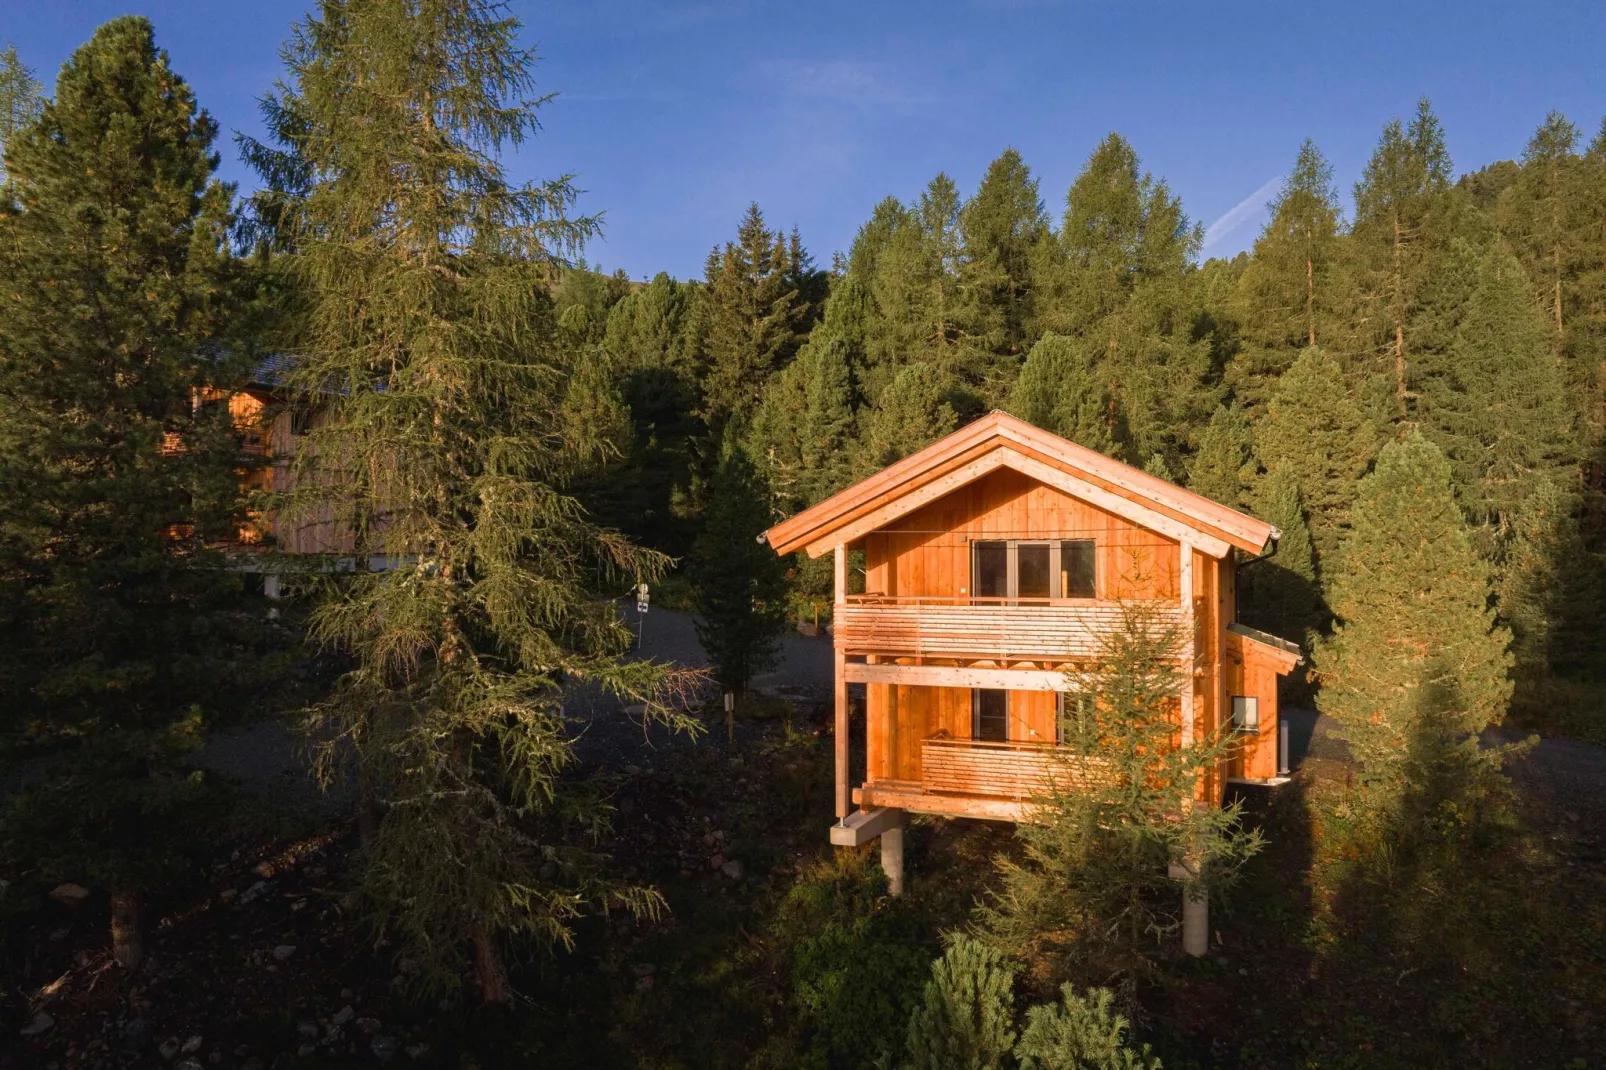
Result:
1060,391
913,412
1403,182
21,96
125,632
1417,666
1542,216
804,433
1287,291
1314,427
429,340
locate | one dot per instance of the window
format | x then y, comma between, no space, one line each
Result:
989,715
1246,713
1028,571
1072,718
300,418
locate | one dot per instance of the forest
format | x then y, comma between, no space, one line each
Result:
532,845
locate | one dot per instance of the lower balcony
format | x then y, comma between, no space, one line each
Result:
944,628
978,778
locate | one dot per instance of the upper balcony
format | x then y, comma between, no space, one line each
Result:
999,629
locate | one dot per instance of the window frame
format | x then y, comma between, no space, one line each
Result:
1250,705
1059,576
975,714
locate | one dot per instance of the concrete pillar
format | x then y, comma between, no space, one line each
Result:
270,585
892,858
1195,921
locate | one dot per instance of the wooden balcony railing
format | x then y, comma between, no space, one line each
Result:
923,627
1009,770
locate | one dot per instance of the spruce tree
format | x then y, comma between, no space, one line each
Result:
1416,664
446,451
1552,589
739,584
1545,218
1280,594
966,1015
1059,391
755,318
913,412
804,433
1287,297
20,99
125,634
1223,468
1313,426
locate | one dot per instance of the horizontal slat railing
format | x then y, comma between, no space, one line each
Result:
935,629
1010,770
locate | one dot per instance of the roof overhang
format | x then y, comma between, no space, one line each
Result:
997,441
1280,654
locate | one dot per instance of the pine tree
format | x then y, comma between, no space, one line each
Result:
756,318
739,584
1091,892
1279,594
1288,290
1223,468
125,635
1079,1033
913,412
20,99
1417,664
1541,217
432,342
1059,391
966,1016
1314,427
1403,183
1499,408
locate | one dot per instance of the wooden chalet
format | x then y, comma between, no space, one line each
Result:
992,562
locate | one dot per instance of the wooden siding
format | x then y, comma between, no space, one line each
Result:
927,552
1012,770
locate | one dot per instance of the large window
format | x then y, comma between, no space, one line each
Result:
1019,570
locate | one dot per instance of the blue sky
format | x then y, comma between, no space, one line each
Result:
673,116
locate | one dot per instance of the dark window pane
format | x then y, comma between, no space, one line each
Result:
1032,570
992,570
992,715
1076,567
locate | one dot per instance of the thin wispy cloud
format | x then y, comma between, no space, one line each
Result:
1239,214
850,81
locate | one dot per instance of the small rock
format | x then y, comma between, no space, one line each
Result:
191,1046
368,1025
263,869
418,1050
643,969
633,770
136,1031
252,892
709,839
169,1047
1242,972
306,1028
189,1064
384,1047
343,1015
228,893
299,904
69,894
346,993
732,869
716,861
644,984
283,952
38,1024
306,1050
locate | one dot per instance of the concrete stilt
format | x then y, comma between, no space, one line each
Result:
1195,922
270,585
892,858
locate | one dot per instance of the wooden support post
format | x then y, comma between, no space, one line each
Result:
844,790
1185,582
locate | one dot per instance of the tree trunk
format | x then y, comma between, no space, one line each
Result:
489,971
1399,321
128,929
367,811
1310,302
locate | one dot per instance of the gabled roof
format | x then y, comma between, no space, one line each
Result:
999,440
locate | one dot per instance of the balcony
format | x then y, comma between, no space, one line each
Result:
976,778
922,627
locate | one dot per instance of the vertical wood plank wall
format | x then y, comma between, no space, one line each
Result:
928,552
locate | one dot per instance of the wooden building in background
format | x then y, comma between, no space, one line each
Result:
993,561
